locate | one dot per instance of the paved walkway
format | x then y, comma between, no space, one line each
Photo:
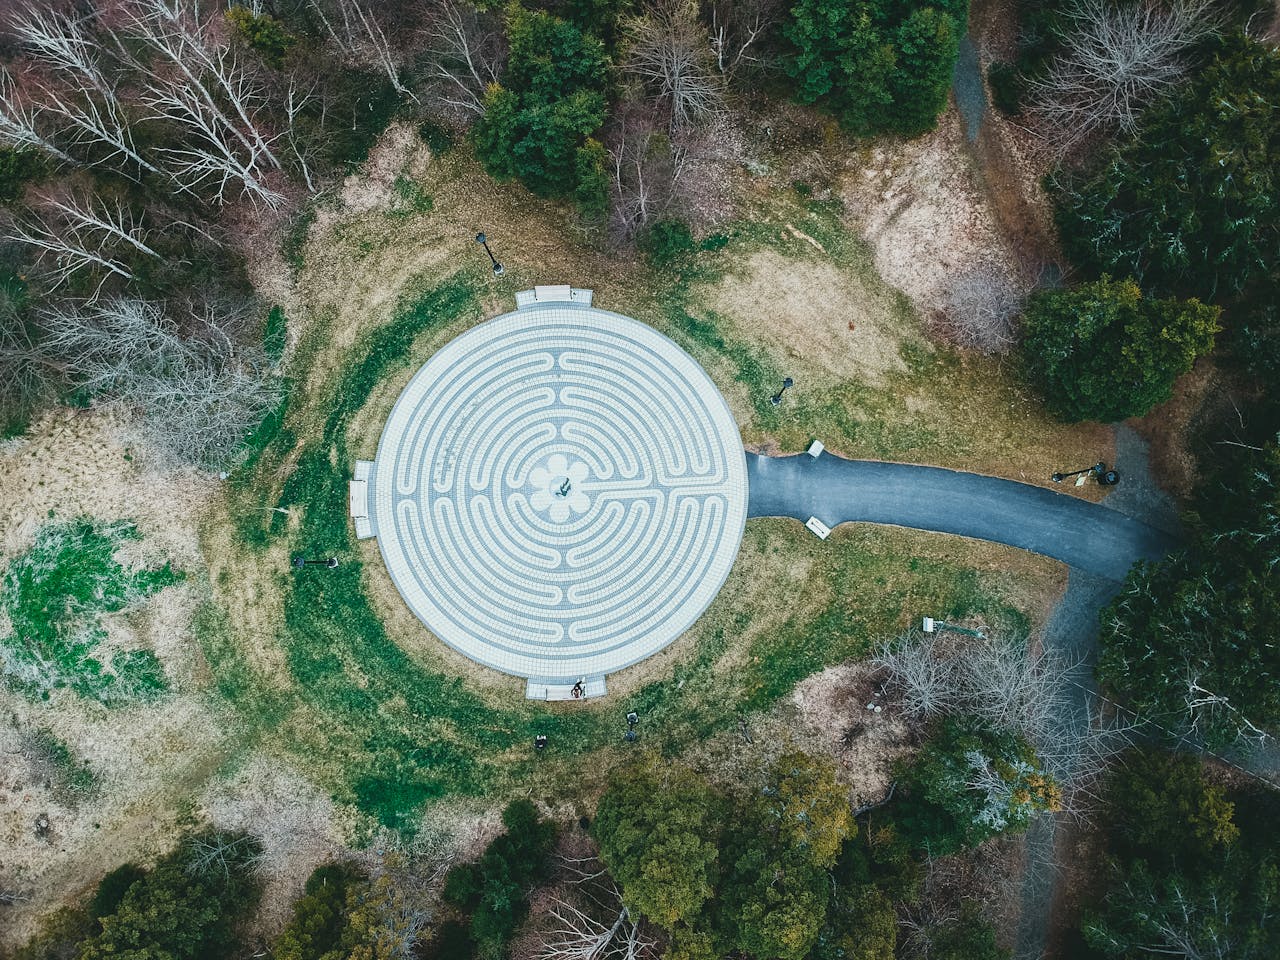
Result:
1087,536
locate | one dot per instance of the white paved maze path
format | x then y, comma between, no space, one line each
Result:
559,492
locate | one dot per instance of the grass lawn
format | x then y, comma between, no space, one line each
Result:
326,667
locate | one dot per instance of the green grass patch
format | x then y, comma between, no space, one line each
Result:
388,733
410,198
55,595
275,334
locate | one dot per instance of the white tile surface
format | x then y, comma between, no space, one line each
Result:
502,560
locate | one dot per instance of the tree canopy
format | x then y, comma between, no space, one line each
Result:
1101,351
187,907
536,124
1188,642
879,67
967,784
658,834
1194,868
1191,205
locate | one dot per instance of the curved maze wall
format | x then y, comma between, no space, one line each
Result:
559,492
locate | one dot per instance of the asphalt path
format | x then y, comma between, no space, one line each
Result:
1087,536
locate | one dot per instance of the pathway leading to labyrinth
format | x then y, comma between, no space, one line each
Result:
1098,542
1087,536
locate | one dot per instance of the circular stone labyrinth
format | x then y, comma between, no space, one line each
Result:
559,492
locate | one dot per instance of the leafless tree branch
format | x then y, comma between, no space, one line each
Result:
465,53
1118,58
669,53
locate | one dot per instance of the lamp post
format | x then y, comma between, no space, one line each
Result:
497,267
300,562
776,399
1105,477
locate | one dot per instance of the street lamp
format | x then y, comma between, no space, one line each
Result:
776,399
300,562
497,267
1105,477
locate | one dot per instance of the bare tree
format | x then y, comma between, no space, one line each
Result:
737,26
465,53
578,936
591,922
1013,686
647,166
978,308
64,252
110,223
210,157
1117,59
176,33
62,43
1206,709
357,33
196,80
93,123
18,121
197,396
669,53
219,853
296,101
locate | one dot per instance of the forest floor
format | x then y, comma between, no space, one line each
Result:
315,712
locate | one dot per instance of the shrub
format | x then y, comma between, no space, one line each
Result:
263,33
18,167
494,889
1102,352
592,190
112,889
319,915
1008,87
665,242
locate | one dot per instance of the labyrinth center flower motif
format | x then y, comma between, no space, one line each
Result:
557,488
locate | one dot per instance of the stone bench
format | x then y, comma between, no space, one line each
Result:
556,293
359,499
550,690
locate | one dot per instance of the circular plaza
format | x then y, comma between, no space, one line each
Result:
558,493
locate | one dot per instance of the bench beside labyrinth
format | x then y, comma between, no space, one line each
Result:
558,493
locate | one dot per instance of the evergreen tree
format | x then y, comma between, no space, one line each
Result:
1191,205
1189,640
1101,351
551,100
659,836
880,67
186,908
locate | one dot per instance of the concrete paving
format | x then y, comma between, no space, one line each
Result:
1084,535
558,493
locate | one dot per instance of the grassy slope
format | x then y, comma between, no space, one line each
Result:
388,731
